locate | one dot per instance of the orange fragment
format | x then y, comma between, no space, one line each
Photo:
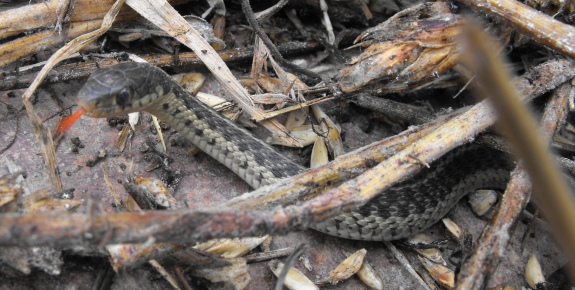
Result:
69,121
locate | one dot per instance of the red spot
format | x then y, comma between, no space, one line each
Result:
68,122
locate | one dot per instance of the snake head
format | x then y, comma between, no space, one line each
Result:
117,90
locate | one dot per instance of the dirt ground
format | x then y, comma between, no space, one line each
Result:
207,183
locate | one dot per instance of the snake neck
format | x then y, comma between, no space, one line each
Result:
250,158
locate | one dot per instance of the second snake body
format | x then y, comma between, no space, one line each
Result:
398,212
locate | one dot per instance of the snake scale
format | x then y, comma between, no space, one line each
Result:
398,212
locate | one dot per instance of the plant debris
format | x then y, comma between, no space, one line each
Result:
367,93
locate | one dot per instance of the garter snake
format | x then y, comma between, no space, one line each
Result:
398,212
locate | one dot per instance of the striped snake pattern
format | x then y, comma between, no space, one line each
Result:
399,212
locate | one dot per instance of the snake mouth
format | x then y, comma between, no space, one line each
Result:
104,112
95,108
93,111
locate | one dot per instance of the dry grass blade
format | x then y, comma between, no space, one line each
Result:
271,47
287,274
45,136
191,82
273,114
30,17
441,274
42,201
304,137
297,118
159,192
319,153
159,130
515,118
482,200
271,98
347,268
230,248
368,275
165,274
166,17
432,254
294,278
117,202
533,273
125,135
333,138
403,260
10,190
232,273
260,57
452,227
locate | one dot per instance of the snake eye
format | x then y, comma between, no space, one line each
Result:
124,97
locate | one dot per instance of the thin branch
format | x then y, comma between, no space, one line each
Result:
403,261
263,15
271,47
287,265
532,23
84,69
299,106
393,110
182,279
268,255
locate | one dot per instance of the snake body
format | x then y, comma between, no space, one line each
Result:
399,212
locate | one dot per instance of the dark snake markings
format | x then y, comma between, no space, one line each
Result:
399,212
